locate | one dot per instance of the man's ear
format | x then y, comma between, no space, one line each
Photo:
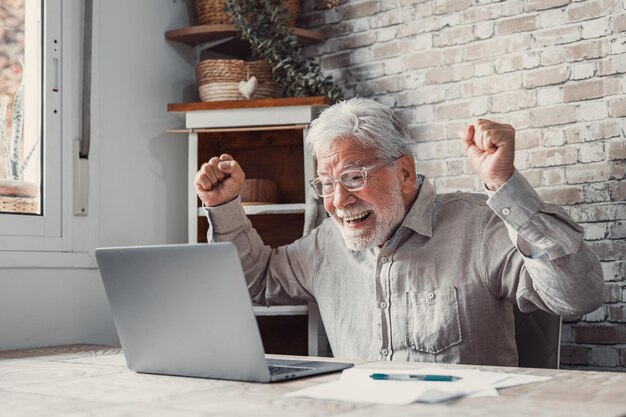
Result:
408,176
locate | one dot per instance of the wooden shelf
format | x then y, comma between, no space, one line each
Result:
235,114
237,129
196,35
301,310
248,104
252,209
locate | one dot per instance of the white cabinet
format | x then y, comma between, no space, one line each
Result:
266,138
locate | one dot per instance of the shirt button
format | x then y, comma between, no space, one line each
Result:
430,295
384,259
384,352
506,211
383,305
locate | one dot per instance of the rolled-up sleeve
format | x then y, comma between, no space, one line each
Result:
549,265
274,276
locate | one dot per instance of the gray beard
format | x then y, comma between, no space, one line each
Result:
387,222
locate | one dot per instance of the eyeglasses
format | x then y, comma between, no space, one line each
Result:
352,179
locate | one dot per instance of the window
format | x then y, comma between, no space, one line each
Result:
32,57
20,109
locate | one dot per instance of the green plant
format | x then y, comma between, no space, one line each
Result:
262,24
12,153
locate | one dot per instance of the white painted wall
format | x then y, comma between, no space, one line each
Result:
142,169
138,173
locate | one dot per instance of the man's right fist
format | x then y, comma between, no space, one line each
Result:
219,180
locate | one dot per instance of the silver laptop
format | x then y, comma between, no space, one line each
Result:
185,310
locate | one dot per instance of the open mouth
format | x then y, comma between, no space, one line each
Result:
357,218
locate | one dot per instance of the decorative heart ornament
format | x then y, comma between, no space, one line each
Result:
247,88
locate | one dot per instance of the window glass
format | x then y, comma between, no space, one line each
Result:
21,176
31,40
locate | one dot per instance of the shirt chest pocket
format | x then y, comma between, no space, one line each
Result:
432,324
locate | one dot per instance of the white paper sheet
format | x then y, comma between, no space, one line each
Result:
356,385
512,380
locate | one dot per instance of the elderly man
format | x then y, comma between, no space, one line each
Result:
398,271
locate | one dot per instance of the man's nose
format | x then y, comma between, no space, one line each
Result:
342,197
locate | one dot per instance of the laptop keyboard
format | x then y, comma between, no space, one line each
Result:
280,370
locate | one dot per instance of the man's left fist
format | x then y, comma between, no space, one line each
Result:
491,150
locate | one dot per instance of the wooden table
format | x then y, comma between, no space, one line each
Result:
80,380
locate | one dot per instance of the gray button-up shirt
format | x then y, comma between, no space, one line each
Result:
442,288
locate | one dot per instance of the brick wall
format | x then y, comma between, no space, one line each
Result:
554,69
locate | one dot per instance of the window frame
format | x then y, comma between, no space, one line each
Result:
44,232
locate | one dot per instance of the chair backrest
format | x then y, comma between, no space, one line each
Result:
538,339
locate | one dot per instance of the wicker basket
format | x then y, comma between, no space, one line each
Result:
19,205
211,12
260,69
219,70
293,7
18,196
218,79
266,87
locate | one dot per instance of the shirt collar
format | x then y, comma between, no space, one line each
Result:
420,216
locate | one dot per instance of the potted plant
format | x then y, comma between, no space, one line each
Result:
16,195
263,23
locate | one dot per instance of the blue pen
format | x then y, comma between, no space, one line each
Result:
415,377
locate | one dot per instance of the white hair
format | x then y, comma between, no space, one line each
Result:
369,123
